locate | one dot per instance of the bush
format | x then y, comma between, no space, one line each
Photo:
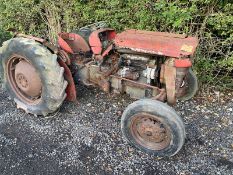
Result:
210,20
4,36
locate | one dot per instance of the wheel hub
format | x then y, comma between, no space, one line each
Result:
150,131
22,81
27,79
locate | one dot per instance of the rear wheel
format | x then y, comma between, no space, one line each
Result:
32,76
153,127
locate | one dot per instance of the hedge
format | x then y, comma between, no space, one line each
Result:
210,20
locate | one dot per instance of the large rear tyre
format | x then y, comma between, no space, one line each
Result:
153,127
32,76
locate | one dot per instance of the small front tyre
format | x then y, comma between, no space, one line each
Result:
153,127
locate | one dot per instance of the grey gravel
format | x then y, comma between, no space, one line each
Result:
85,138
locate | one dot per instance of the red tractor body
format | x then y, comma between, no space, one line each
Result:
177,50
157,43
152,66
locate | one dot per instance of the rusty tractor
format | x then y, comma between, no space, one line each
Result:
154,67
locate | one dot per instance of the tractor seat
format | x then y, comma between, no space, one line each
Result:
85,33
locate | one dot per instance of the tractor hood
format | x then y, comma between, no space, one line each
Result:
156,43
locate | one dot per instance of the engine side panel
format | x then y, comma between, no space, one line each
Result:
156,43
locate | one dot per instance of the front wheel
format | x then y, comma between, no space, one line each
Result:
153,127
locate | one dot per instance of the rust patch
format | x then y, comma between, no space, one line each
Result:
170,81
156,43
150,131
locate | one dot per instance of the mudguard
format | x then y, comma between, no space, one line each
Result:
95,41
72,43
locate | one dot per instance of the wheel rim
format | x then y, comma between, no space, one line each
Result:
24,80
150,131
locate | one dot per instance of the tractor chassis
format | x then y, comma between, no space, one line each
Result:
91,74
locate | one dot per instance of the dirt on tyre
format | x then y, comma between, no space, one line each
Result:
32,76
153,127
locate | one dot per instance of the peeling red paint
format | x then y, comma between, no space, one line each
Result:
73,43
158,43
94,39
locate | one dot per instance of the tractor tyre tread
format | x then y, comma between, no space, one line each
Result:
45,62
166,113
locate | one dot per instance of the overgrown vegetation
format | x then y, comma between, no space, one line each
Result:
210,20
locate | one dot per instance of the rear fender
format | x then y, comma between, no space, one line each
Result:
70,90
64,45
72,43
95,42
44,42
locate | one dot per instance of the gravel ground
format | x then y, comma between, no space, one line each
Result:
85,138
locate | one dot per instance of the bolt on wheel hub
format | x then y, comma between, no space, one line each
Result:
149,131
21,81
27,79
